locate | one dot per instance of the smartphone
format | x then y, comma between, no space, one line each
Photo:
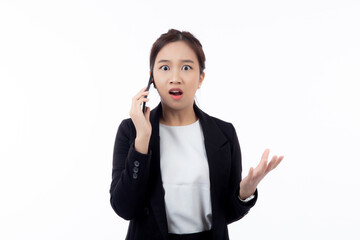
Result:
147,89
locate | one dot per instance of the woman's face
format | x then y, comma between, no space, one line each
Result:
177,75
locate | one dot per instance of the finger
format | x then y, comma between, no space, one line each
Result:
250,177
142,99
141,92
251,173
263,163
137,102
264,157
271,165
278,161
140,95
136,105
274,163
265,154
143,89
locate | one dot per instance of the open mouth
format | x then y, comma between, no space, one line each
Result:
176,92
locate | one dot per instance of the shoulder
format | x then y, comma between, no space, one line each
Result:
222,124
126,124
225,127
126,128
223,130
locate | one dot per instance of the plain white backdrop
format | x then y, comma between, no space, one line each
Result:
285,73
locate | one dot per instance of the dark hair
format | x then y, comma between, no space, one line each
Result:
174,35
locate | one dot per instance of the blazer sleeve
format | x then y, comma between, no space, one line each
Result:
236,209
130,173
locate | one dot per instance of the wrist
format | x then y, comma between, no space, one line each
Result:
143,136
142,144
245,195
247,199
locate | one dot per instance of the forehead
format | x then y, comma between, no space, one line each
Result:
176,51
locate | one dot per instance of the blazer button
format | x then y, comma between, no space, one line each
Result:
136,163
135,176
135,170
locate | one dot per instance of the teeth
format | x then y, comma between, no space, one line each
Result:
176,92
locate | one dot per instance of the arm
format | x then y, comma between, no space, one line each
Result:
129,175
248,185
236,209
131,160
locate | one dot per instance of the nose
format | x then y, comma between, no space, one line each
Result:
175,77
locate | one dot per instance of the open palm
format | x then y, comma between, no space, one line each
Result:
249,184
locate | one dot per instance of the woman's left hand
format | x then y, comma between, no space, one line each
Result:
249,184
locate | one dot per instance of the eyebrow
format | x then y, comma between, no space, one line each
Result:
185,60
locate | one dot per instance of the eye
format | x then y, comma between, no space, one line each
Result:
165,67
186,67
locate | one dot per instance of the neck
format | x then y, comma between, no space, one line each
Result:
174,117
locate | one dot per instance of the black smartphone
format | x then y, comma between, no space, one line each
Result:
147,89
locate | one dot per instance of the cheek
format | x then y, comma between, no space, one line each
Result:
160,87
196,84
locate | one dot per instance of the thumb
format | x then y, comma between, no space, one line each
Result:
251,172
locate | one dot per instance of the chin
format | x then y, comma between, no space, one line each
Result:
176,106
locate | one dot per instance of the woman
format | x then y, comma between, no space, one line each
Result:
177,170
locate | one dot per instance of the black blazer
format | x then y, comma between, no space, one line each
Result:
136,191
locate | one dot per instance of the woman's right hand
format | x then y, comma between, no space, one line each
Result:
141,121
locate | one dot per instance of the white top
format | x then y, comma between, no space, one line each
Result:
185,175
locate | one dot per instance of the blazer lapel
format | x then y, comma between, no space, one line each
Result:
218,151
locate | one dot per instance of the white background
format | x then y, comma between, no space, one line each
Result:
285,73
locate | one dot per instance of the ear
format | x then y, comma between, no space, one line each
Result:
153,81
202,76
